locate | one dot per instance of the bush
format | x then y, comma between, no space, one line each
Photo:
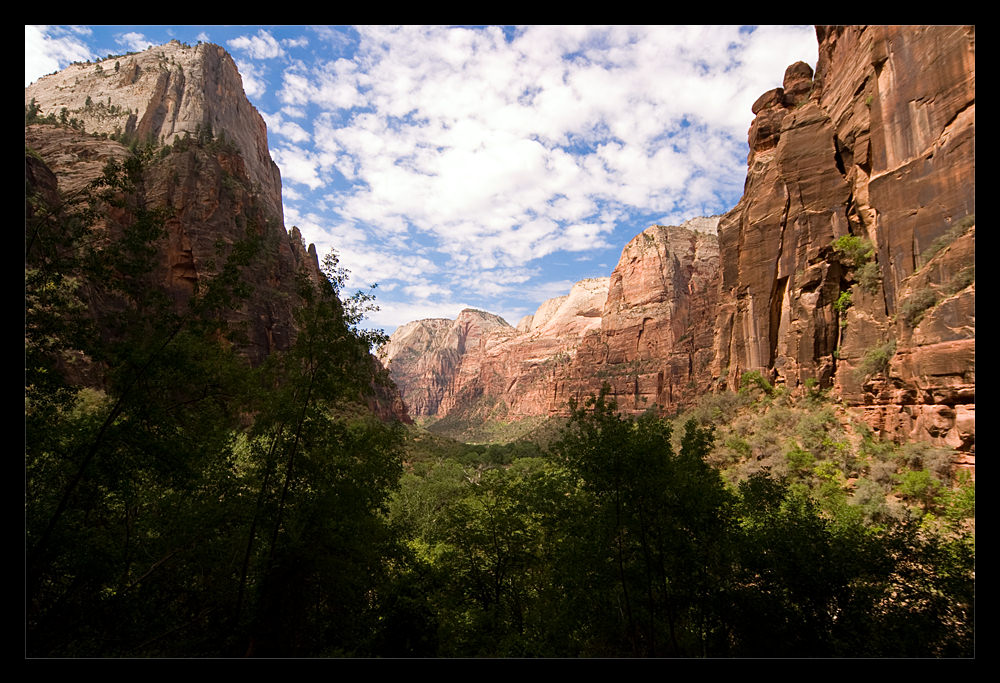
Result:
919,485
953,233
755,379
876,360
857,253
853,251
961,280
922,455
800,461
912,309
869,276
842,303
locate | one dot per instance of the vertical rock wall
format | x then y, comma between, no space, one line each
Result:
211,195
161,94
879,144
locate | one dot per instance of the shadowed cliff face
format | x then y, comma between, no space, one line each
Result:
210,204
209,174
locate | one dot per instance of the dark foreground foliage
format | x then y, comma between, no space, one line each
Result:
178,502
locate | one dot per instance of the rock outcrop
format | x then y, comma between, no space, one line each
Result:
211,176
654,343
646,331
426,358
161,95
210,204
209,173
878,146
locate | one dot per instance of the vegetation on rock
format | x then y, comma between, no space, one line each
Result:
650,537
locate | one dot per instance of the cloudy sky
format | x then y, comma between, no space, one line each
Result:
485,167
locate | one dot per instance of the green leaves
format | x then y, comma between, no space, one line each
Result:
193,506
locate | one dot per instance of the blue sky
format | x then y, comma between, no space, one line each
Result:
485,167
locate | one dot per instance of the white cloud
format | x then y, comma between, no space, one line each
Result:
133,41
424,290
48,49
393,314
333,85
261,46
475,140
297,165
495,154
254,78
277,125
446,162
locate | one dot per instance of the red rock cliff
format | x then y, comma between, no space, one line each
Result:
879,145
876,150
646,330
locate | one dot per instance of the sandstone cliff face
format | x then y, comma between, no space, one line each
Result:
425,358
213,195
646,330
654,343
518,375
210,204
879,145
162,94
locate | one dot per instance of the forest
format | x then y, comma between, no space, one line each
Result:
182,503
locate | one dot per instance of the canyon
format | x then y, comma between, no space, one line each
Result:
876,149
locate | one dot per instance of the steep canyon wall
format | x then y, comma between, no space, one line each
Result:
879,145
876,149
208,171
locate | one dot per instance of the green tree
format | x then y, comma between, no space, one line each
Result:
323,471
110,470
184,503
656,533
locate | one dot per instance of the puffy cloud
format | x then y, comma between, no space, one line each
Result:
133,42
254,79
48,49
261,46
448,162
292,43
297,165
290,130
466,125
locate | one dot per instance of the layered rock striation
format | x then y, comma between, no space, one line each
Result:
206,169
210,205
210,175
161,95
426,357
